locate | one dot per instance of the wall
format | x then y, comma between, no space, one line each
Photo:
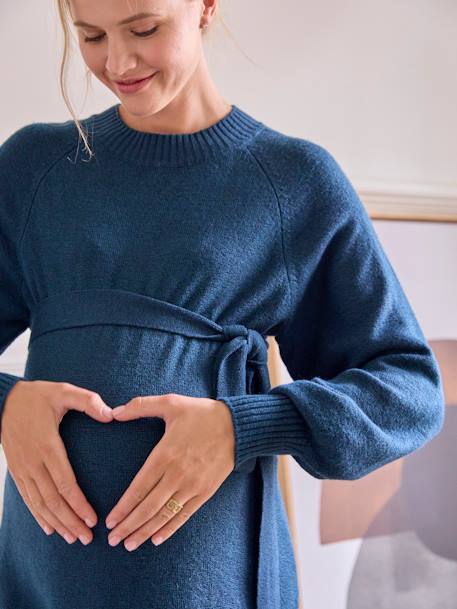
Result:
372,82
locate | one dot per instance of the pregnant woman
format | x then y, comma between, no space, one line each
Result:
152,248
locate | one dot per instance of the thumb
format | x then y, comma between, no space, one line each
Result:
142,406
89,402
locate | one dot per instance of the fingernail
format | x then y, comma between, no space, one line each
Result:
69,538
118,409
107,411
111,524
83,539
113,541
90,523
130,545
157,541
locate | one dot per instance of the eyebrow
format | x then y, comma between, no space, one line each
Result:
123,22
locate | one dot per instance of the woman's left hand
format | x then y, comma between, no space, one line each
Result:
191,461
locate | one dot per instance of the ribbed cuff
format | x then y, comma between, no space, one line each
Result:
265,424
7,382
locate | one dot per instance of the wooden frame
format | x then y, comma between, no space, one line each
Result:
407,206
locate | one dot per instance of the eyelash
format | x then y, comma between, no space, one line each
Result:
139,34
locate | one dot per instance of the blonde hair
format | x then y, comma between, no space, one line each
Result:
65,18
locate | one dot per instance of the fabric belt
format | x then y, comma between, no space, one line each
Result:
240,367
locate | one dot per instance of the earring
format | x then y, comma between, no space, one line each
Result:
205,22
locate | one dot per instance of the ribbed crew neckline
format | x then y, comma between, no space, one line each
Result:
108,129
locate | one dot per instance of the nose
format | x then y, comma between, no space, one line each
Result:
120,59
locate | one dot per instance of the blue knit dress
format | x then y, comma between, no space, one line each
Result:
160,266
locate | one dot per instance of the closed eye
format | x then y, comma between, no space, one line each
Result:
139,34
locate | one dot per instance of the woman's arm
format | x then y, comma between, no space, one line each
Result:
15,185
367,388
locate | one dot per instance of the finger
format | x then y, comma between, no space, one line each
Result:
175,523
53,499
78,398
22,488
37,504
166,522
152,505
147,478
55,458
143,512
148,406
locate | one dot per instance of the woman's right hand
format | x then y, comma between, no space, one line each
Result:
36,456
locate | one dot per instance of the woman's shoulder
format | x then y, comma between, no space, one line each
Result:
291,159
30,151
37,143
26,157
312,187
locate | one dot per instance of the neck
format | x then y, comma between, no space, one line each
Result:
174,119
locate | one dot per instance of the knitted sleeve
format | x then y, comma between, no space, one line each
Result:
366,386
14,189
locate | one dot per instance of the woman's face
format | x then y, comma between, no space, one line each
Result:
168,43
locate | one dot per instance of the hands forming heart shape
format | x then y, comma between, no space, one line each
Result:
193,458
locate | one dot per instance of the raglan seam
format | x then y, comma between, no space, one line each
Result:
284,228
296,373
289,295
29,212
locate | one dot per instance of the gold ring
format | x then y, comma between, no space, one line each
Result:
174,505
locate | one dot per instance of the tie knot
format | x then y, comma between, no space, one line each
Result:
234,330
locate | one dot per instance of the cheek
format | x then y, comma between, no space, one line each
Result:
91,58
96,63
175,55
176,47
161,55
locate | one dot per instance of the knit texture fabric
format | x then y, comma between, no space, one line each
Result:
161,265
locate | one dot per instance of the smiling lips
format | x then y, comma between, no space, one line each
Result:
136,85
131,82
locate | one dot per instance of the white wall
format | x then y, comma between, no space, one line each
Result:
373,82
